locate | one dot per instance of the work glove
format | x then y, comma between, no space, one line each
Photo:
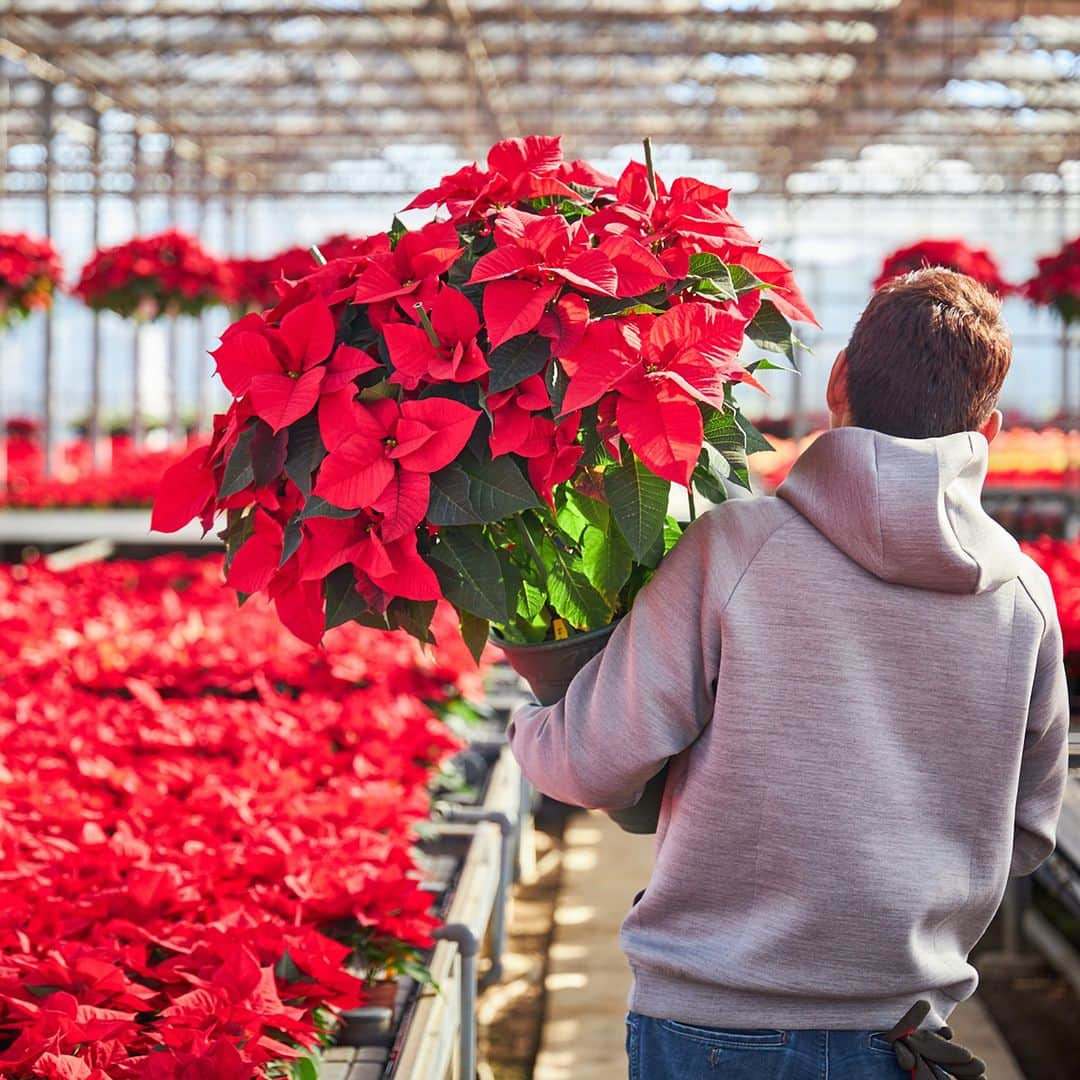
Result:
930,1055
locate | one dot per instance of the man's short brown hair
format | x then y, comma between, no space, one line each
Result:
927,356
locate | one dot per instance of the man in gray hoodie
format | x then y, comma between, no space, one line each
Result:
859,686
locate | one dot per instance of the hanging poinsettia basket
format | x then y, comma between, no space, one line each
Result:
1057,282
30,273
956,255
492,408
149,276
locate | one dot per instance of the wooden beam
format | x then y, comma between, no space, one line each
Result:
483,71
613,11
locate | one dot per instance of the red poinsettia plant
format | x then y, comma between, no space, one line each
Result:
956,255
30,272
491,408
1057,282
166,274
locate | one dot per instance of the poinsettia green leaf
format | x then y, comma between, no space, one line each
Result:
412,616
239,470
592,510
672,533
530,600
705,264
638,501
305,452
571,521
512,578
715,273
316,506
516,360
746,280
556,381
291,539
711,471
305,1068
756,443
343,602
450,503
571,594
398,229
239,526
723,432
607,561
769,330
599,306
765,364
497,488
474,632
268,454
470,573
286,970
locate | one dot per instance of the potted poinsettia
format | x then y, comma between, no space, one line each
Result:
956,255
168,273
1056,283
30,272
493,408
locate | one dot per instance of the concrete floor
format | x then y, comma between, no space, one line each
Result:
588,981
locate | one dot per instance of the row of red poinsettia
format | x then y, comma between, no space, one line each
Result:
1056,282
168,273
131,477
1061,561
202,822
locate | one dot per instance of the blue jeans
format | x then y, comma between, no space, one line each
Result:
666,1050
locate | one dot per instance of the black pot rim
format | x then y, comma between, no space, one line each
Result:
551,646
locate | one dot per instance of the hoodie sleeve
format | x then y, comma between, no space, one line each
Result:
1044,767
650,693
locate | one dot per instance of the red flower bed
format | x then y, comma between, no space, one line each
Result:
952,254
132,479
1057,283
1061,561
168,273
200,821
30,271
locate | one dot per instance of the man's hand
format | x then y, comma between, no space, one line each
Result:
930,1055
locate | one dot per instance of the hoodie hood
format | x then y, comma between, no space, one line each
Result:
907,510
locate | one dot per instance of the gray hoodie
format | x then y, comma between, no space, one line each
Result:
860,684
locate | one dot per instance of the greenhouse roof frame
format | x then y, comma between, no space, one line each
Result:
339,97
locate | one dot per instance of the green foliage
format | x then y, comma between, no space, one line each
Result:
638,500
516,360
239,469
469,573
305,452
769,330
343,602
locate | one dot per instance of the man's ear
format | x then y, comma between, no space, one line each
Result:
836,396
992,426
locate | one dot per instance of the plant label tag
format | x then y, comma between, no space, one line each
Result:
561,631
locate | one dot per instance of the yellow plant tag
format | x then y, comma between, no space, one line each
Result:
561,630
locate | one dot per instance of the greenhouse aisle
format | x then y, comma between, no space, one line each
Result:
588,980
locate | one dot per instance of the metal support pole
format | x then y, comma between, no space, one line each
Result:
172,347
47,389
202,376
94,426
136,340
468,948
5,109
507,828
